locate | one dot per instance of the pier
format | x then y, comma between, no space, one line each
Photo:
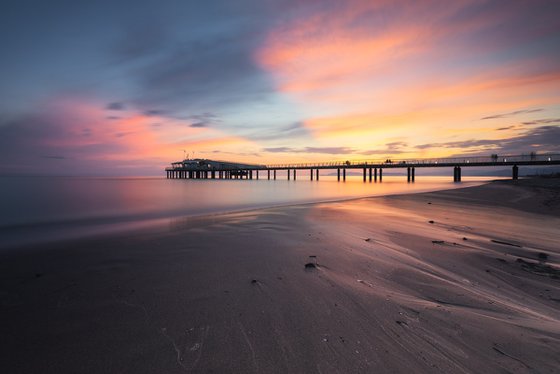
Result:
371,170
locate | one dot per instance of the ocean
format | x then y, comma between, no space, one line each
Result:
43,209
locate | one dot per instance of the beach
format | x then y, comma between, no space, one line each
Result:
457,281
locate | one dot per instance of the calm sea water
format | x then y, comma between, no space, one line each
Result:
38,209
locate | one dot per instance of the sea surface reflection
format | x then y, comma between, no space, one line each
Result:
36,209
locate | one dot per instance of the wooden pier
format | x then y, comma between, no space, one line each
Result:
371,170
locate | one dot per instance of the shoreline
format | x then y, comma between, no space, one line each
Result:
57,232
436,281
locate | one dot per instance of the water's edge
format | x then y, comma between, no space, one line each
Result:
43,232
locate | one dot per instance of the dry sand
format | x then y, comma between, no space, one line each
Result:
460,281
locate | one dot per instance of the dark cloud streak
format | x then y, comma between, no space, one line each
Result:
543,139
392,148
116,106
542,121
517,112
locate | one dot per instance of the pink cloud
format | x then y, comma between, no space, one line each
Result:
75,136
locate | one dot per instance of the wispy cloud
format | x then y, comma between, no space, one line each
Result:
544,139
154,112
323,150
542,121
510,114
116,106
203,120
392,148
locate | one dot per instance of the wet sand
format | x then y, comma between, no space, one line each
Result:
459,281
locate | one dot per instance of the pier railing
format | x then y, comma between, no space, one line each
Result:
492,159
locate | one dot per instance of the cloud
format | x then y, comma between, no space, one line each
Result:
510,114
69,136
395,146
154,112
392,148
324,150
541,139
203,120
322,77
141,40
329,150
465,144
116,106
243,154
387,151
542,121
210,72
279,150
377,64
296,131
32,144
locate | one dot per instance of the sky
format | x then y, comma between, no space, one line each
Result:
126,87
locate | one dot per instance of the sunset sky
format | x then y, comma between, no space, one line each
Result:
123,87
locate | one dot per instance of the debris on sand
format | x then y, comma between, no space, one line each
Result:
539,268
310,266
364,282
542,256
465,238
254,281
430,221
500,351
505,243
438,242
367,239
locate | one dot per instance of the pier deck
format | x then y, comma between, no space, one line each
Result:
372,170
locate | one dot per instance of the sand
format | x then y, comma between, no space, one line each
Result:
459,281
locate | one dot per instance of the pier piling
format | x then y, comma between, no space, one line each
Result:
457,174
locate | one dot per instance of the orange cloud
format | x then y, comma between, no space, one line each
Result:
364,85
